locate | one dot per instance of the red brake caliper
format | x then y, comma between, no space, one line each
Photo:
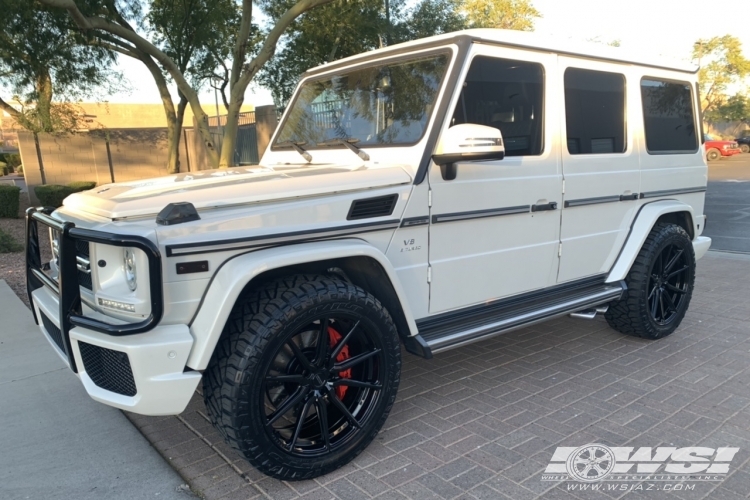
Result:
334,337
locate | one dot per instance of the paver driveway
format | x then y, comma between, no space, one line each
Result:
482,421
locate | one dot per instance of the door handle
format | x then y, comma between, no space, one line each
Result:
628,197
546,206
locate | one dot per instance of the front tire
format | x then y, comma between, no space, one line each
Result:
660,285
304,375
745,148
713,154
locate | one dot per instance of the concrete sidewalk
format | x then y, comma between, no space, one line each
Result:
55,442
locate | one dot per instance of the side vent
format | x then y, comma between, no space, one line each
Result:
372,207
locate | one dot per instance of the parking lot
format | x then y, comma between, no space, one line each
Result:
728,204
483,421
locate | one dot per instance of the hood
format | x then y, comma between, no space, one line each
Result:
231,187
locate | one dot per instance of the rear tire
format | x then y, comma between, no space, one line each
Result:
745,148
660,285
278,387
713,154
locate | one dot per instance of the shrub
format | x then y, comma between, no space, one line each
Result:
52,195
82,185
9,199
8,244
19,169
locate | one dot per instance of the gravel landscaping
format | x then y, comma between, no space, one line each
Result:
12,265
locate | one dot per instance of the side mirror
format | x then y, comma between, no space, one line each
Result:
467,142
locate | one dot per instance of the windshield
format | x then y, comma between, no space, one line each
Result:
709,137
376,105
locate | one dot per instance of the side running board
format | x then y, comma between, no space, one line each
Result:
457,328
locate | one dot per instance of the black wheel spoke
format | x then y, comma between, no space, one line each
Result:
342,343
300,355
661,305
300,423
322,350
653,291
675,273
654,303
342,408
357,383
287,379
320,407
670,303
674,288
349,363
287,405
673,261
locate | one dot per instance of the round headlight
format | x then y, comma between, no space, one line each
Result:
129,266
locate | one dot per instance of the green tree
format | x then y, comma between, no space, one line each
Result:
41,61
196,35
721,65
246,59
734,109
429,18
331,32
348,27
504,14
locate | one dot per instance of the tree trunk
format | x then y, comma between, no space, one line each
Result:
174,145
173,132
230,131
44,102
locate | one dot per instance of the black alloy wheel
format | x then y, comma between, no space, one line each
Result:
668,284
304,375
321,386
659,285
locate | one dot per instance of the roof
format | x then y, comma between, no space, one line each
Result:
528,40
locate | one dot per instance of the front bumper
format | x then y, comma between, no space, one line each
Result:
139,367
142,373
701,244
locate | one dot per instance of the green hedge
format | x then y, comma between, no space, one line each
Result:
82,185
9,197
52,195
8,244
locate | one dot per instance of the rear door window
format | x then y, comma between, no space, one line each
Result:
594,111
668,116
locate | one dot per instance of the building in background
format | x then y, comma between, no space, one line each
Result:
125,142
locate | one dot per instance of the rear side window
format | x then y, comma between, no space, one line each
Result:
594,111
507,95
668,116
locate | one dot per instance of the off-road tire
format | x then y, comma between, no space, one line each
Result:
713,154
232,382
630,314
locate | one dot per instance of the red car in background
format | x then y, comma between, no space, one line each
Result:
716,148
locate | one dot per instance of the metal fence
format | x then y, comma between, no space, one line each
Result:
246,145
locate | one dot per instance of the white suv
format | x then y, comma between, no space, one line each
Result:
429,194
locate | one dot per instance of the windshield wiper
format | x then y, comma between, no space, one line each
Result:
297,147
349,143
